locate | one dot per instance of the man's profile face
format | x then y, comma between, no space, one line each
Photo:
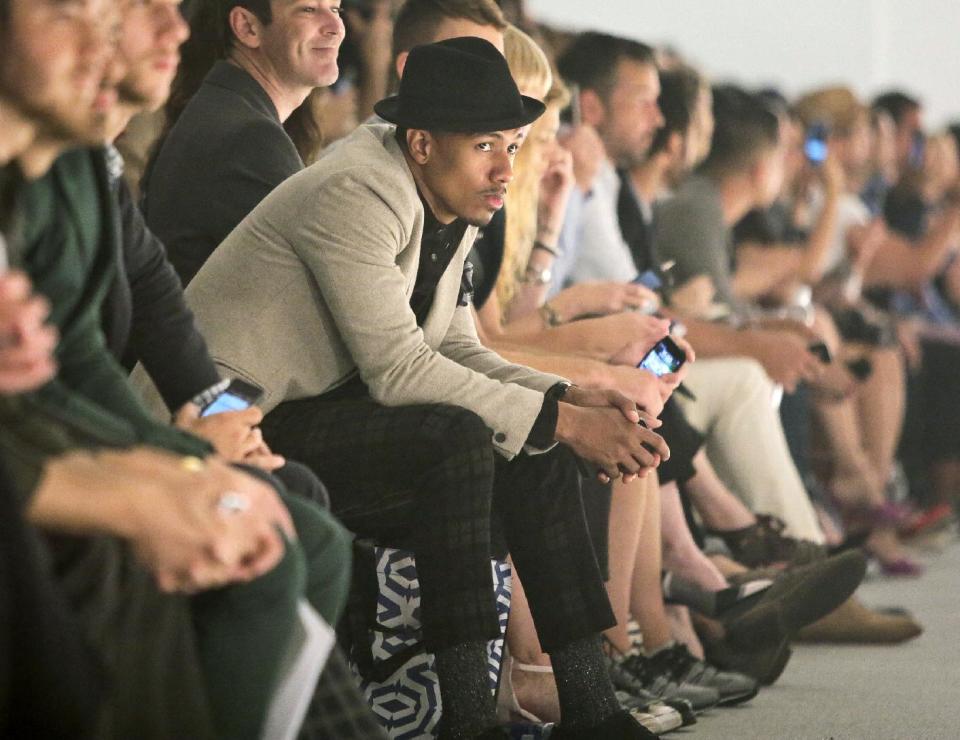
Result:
632,115
468,174
150,38
303,40
58,55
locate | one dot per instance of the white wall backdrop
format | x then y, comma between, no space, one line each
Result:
796,44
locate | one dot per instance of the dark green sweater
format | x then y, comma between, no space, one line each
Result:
69,252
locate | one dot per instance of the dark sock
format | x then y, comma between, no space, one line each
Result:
468,707
583,684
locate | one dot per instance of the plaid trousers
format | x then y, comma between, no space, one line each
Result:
426,478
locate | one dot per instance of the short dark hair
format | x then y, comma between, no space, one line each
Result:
679,91
590,62
744,127
897,103
417,21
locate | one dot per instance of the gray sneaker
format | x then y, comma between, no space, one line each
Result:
664,686
677,662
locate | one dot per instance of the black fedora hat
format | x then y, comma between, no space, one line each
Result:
461,85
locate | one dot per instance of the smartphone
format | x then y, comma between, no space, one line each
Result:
815,144
237,396
665,358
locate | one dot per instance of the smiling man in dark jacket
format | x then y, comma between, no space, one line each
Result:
228,148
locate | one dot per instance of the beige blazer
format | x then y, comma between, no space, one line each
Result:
315,284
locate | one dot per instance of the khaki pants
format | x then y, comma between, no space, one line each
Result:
745,441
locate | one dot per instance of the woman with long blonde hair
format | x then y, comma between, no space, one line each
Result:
536,204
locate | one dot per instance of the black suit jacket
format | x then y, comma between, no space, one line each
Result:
145,317
226,152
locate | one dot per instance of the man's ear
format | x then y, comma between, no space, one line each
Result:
420,145
592,109
246,27
401,62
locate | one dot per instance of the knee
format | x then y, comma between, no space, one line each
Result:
327,547
451,430
278,590
299,479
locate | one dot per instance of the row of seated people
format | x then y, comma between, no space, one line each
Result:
413,308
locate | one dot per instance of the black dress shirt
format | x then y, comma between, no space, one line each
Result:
437,247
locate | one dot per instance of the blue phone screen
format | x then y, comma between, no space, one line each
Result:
815,149
660,361
226,401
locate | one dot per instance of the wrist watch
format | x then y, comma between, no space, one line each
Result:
558,390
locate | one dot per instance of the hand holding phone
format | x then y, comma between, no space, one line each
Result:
664,359
237,396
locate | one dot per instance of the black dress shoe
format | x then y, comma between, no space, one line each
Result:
620,726
798,597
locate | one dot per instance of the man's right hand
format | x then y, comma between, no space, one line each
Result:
784,355
234,435
606,438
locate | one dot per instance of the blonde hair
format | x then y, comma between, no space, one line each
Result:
532,72
528,63
837,107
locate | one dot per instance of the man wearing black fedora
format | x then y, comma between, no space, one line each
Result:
344,295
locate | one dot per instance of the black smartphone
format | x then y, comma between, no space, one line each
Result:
821,351
237,396
815,143
665,358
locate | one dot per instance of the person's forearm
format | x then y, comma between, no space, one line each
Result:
579,370
593,338
75,496
813,263
523,313
718,340
763,269
900,264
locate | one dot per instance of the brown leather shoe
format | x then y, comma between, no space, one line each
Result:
852,622
764,543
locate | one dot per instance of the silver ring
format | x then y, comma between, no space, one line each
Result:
232,502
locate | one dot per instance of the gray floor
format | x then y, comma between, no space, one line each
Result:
881,693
